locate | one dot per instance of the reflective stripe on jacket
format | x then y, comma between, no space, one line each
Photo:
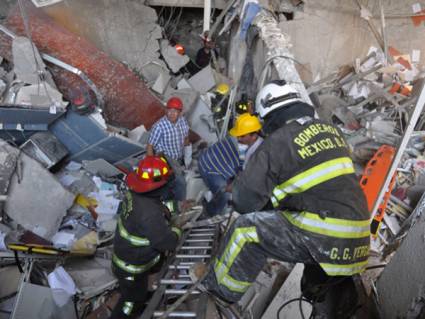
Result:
305,171
134,269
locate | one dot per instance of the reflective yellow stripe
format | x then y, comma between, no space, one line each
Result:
344,269
134,240
134,269
332,227
235,285
239,238
128,307
312,177
177,231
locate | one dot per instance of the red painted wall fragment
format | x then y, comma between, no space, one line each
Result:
128,102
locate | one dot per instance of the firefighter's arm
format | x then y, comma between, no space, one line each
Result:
252,187
161,236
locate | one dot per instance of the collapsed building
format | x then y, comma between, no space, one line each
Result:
82,83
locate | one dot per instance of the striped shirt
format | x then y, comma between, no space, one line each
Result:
221,158
168,138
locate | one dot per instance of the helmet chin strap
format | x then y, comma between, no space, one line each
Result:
281,116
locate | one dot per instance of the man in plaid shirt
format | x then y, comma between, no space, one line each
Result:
168,137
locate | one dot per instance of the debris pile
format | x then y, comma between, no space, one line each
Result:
69,136
372,102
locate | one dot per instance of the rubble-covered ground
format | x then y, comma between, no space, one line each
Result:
79,93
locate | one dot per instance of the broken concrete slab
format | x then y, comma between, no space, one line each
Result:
2,88
161,82
91,276
42,95
8,160
45,148
27,61
125,29
9,278
289,290
150,72
203,81
23,205
201,121
139,134
175,61
37,302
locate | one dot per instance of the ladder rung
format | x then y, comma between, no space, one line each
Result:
176,282
177,314
180,292
202,229
208,240
180,266
182,256
201,235
187,263
195,247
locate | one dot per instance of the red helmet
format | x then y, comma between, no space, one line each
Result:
180,49
175,103
152,173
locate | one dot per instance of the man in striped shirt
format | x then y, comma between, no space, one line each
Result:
168,137
220,163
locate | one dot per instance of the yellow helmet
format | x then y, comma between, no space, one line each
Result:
222,89
245,124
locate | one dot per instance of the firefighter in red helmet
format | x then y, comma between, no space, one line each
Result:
142,234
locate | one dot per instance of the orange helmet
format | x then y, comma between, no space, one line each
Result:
179,49
175,103
152,173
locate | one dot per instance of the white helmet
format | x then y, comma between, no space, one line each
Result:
275,95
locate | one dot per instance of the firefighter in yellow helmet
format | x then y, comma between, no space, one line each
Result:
300,202
219,100
220,163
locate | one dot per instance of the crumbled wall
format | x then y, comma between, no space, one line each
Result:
5,6
330,33
127,30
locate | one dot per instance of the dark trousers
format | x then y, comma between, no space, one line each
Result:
244,251
134,294
216,184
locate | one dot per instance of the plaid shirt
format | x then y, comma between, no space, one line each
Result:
168,138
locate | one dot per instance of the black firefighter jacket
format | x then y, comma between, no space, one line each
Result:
142,232
304,171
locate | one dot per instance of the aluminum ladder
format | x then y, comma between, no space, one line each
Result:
197,245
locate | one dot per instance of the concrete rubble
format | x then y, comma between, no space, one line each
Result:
69,163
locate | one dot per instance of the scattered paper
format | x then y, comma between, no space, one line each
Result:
104,187
106,204
416,7
63,240
416,56
62,285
